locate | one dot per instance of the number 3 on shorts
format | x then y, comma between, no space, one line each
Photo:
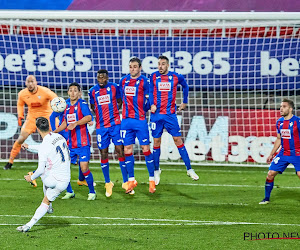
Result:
153,125
123,133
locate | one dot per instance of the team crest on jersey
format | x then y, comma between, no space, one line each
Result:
285,133
130,91
76,108
164,86
103,99
291,124
39,96
71,118
108,89
170,77
137,82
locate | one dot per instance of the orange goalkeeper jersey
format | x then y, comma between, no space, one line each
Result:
38,103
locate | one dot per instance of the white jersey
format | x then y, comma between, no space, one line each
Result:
54,158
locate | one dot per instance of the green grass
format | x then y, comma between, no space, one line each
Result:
182,214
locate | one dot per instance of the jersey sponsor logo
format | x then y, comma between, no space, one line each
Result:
103,99
130,91
285,133
36,104
164,86
71,118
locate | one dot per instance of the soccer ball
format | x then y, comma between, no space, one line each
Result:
58,104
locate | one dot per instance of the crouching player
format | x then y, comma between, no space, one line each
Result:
53,167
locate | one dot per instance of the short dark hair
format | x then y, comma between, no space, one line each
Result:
136,59
75,84
290,102
102,71
42,124
164,57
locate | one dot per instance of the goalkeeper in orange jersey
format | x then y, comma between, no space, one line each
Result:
37,98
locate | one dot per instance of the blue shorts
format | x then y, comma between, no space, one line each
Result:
105,135
132,128
169,122
280,163
84,154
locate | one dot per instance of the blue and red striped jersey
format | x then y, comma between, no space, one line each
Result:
106,106
289,131
163,89
134,96
79,136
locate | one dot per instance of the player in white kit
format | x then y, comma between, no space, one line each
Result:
53,168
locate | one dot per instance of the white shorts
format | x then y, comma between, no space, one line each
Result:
54,187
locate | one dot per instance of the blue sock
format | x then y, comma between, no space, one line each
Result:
123,169
268,188
105,170
80,174
129,162
90,180
156,155
184,156
149,163
69,188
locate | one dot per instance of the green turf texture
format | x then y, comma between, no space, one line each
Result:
182,214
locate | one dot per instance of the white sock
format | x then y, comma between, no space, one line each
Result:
151,178
39,213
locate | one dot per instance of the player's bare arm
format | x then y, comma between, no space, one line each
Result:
182,106
82,121
62,127
153,108
119,102
276,146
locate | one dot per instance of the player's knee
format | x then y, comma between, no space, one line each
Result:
145,148
104,155
127,150
156,142
271,175
178,141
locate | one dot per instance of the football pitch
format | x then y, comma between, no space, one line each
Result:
220,211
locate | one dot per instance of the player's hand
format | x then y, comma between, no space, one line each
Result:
72,126
182,106
153,108
20,118
24,146
269,159
27,178
90,123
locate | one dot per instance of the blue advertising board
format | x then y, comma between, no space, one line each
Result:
207,63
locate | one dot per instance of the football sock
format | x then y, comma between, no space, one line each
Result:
184,156
39,213
105,170
156,155
14,152
69,188
89,180
268,188
129,162
123,169
80,174
149,163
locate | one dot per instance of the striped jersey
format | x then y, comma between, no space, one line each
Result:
163,89
289,131
79,136
106,106
134,96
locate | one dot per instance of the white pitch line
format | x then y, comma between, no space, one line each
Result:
176,222
185,184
